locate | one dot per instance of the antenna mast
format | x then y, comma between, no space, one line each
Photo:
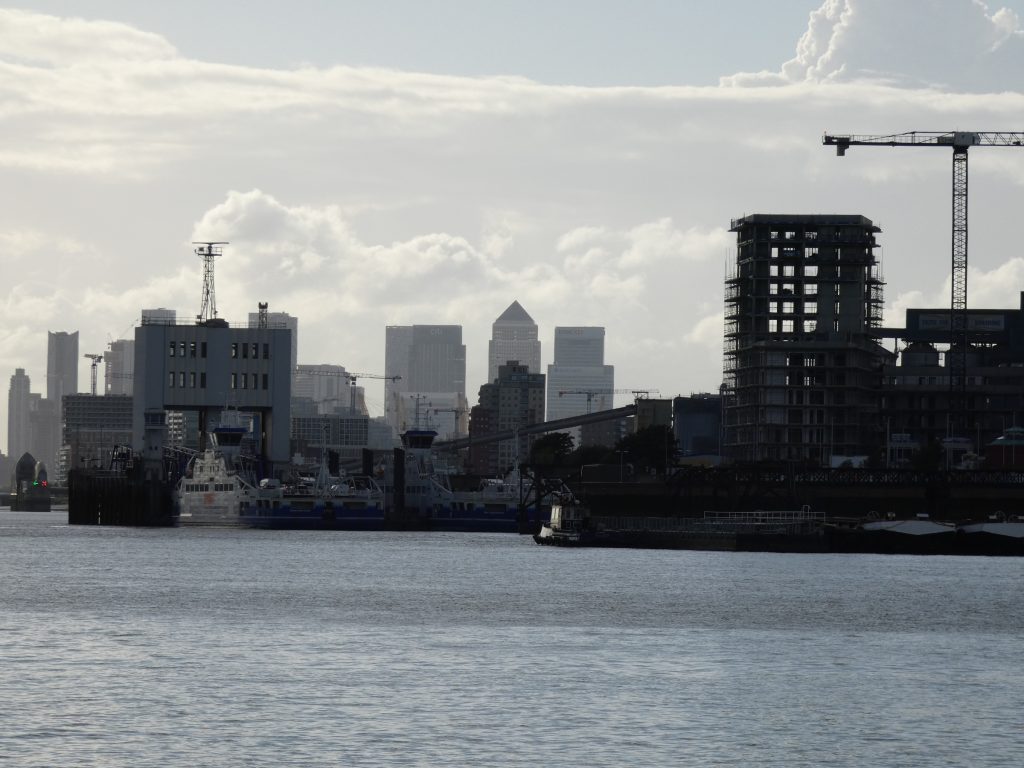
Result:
208,251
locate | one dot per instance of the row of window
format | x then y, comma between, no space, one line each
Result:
239,350
192,380
186,349
249,381
178,379
207,487
789,307
809,289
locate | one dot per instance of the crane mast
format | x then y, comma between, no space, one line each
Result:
959,142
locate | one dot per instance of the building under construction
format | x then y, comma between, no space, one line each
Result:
802,368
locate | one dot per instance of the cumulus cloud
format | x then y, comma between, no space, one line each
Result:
963,46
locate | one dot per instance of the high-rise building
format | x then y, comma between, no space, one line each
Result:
159,316
61,365
514,399
802,368
513,337
429,359
18,434
578,380
119,367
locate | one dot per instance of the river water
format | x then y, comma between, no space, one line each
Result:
185,647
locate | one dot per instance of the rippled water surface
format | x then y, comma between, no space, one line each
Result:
132,647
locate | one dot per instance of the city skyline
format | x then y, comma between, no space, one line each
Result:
373,183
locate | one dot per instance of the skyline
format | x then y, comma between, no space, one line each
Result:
359,192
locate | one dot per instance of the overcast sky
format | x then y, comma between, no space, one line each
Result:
430,162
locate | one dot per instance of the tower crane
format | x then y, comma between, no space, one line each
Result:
352,377
96,359
590,393
959,142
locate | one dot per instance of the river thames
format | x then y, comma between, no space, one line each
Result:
196,647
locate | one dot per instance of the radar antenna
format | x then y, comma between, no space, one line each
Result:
208,251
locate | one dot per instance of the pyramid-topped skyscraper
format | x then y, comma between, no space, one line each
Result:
513,337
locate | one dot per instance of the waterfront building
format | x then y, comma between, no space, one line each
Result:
915,396
514,399
93,426
513,337
428,358
697,423
802,368
44,420
279,320
119,367
207,367
18,396
578,381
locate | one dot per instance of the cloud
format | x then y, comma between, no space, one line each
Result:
960,46
368,197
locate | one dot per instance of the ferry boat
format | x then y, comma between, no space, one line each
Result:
349,502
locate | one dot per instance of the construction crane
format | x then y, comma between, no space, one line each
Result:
591,393
959,142
96,360
352,377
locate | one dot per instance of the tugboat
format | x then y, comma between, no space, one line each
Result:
569,524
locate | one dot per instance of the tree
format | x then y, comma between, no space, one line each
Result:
551,449
652,447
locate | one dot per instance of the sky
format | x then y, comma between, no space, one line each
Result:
430,162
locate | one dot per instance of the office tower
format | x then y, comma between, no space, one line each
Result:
513,337
61,365
119,367
802,368
18,435
429,358
514,399
280,320
159,316
93,426
578,380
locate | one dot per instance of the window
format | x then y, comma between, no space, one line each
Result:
810,361
773,326
234,350
788,307
773,288
245,351
202,378
836,308
789,271
203,350
774,235
773,270
255,351
810,307
181,348
265,381
170,380
234,381
245,381
810,235
173,346
773,307
191,349
810,289
811,251
787,326
192,380
789,288
790,235
181,379
252,378
266,351
775,251
810,270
